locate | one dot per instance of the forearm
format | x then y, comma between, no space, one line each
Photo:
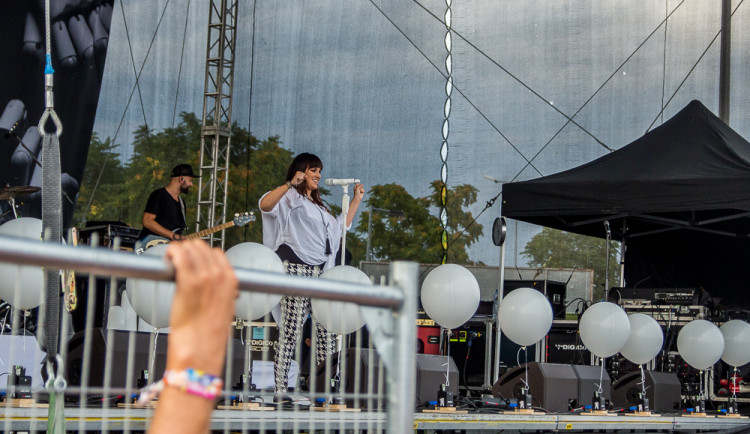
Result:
151,224
273,197
353,205
181,412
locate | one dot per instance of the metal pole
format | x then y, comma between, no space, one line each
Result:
498,332
344,212
725,60
369,232
402,386
107,262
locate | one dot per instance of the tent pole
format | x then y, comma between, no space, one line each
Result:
623,246
606,268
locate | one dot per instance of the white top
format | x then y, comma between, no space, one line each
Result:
299,223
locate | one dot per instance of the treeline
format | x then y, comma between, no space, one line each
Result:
115,190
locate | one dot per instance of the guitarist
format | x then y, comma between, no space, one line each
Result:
164,216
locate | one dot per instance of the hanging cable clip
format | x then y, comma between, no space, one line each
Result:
49,101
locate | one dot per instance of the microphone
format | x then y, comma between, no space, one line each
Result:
606,226
334,181
12,129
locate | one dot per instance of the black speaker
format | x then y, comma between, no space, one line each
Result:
119,343
364,374
552,386
431,371
588,380
554,291
662,390
564,344
429,376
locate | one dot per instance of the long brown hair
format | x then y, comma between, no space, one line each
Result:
301,163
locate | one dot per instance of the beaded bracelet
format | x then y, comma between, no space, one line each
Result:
192,381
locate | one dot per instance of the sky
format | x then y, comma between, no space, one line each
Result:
363,83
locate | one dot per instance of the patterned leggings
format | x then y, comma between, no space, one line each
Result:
294,310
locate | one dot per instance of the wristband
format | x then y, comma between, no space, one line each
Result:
176,237
192,381
289,185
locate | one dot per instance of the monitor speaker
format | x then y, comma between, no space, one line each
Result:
430,375
552,386
588,381
662,390
118,341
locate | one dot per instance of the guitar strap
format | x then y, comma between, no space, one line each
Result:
182,208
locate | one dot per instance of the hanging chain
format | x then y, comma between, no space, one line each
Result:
446,129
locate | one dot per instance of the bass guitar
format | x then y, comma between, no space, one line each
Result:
239,220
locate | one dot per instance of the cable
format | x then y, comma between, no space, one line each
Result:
493,61
692,69
132,92
456,88
529,162
250,117
182,55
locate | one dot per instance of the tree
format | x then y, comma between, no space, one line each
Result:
416,236
255,167
101,182
552,248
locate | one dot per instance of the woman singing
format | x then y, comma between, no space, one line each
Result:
306,237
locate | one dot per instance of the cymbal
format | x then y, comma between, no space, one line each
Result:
8,192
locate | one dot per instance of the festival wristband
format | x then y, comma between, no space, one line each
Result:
192,381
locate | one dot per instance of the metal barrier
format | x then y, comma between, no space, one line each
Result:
100,369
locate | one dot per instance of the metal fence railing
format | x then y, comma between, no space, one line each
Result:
107,354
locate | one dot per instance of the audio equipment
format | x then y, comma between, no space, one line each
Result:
552,386
118,342
554,291
588,383
430,375
662,391
107,231
563,344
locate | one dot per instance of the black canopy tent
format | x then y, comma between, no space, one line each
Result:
679,197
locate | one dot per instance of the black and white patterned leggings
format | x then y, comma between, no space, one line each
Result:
294,311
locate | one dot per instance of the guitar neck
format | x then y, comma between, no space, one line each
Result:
209,231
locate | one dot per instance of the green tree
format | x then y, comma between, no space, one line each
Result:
255,167
101,183
416,236
552,248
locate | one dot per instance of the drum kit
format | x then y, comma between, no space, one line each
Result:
11,193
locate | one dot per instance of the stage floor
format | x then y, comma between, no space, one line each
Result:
117,419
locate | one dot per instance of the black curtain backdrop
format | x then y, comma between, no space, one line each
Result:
80,35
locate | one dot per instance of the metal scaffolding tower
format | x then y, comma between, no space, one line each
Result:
216,130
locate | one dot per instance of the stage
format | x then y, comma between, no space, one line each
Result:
19,419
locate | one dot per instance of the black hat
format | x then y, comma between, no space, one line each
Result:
183,170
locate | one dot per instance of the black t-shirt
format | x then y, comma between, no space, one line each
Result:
169,212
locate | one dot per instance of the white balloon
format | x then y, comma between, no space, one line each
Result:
336,316
645,340
21,286
736,342
700,343
152,300
254,256
525,316
450,295
605,329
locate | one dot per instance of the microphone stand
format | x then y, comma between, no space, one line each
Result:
344,212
